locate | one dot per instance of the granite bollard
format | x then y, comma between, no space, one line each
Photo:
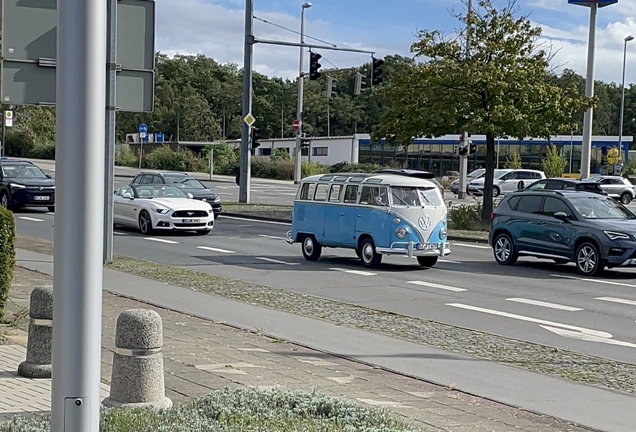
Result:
137,377
40,339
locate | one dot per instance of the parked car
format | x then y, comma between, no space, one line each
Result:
161,207
565,184
413,173
592,230
185,182
616,187
506,181
473,175
24,184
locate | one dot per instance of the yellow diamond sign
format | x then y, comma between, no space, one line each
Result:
249,119
612,156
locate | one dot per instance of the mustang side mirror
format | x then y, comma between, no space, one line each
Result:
561,216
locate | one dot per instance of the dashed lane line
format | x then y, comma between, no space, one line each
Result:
474,246
545,304
26,218
600,281
271,237
617,300
438,286
225,251
448,261
256,220
158,240
275,261
355,272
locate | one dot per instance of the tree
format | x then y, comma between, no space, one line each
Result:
513,162
553,164
500,87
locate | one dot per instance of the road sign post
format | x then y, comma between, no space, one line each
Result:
143,131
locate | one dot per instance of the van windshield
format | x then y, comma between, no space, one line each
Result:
416,197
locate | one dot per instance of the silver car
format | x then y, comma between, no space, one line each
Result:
473,175
616,187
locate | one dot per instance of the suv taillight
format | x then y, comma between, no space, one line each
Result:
492,215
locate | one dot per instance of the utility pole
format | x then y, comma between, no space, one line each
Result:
245,172
109,172
299,107
79,214
463,159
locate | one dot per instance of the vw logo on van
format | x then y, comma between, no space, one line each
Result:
424,222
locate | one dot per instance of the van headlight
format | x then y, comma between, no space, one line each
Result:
442,234
401,232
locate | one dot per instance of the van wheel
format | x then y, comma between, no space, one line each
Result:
368,255
311,248
427,261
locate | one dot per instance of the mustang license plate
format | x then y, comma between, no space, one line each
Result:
42,198
190,221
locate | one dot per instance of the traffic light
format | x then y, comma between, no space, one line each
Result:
359,84
314,66
472,146
377,71
304,141
256,136
330,82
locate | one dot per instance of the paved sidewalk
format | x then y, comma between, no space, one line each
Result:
202,356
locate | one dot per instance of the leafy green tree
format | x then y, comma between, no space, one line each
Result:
501,87
553,164
513,162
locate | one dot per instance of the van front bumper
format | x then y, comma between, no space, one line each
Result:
412,249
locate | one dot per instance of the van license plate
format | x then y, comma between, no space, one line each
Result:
42,198
190,221
427,246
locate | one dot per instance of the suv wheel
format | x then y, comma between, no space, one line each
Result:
588,259
4,200
626,198
504,250
495,191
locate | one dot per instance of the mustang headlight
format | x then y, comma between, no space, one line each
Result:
161,210
401,232
616,235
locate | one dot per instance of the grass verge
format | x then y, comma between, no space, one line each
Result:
243,410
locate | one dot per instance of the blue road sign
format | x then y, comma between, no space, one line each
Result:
600,3
159,137
143,128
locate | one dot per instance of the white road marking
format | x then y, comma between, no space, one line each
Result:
545,304
160,240
588,338
589,332
50,213
449,261
471,246
276,261
434,285
617,300
271,237
216,250
601,281
355,272
256,220
120,233
30,219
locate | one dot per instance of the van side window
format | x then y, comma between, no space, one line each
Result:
372,196
351,194
307,191
334,195
321,192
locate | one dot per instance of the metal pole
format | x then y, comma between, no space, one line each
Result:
498,151
571,148
244,175
620,127
79,216
463,159
299,108
211,163
4,128
141,148
328,119
109,172
586,145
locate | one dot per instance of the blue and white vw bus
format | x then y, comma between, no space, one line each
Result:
374,214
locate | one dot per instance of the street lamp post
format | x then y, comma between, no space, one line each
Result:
299,107
620,126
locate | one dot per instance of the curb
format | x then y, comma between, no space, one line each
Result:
287,221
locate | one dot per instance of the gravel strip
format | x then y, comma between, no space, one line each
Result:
582,368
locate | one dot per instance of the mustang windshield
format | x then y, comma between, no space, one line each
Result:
416,197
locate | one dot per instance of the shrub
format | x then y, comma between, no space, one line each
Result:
280,154
126,157
43,151
353,168
7,256
164,158
225,158
513,162
466,217
312,168
19,144
554,164
630,168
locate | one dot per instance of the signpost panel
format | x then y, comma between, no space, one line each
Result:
600,3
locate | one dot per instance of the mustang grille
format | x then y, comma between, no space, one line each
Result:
190,214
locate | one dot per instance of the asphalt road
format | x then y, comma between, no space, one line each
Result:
534,301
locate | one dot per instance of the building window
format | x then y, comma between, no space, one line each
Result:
266,152
320,151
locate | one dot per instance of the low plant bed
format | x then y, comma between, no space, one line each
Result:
241,410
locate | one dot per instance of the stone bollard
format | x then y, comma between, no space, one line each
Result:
137,376
39,344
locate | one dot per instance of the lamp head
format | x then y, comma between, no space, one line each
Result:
307,5
629,38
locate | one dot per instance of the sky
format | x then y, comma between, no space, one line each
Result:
215,28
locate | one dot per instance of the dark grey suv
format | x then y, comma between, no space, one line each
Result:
592,230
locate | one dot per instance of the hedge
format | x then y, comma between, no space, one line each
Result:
7,256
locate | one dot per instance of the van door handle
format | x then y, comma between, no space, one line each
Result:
341,214
359,215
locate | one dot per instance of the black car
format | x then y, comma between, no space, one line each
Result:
183,181
24,184
566,184
413,173
589,229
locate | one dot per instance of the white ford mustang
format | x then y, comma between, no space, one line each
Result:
161,207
